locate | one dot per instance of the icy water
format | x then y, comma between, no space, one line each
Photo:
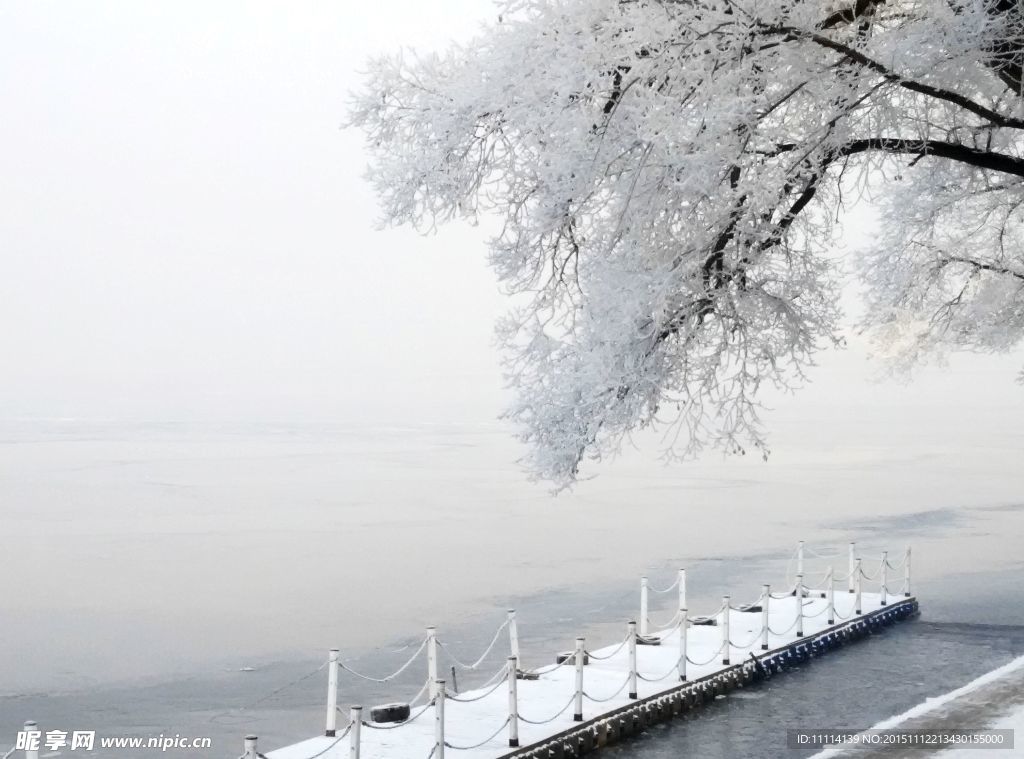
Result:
188,580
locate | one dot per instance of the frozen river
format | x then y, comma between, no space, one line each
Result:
147,566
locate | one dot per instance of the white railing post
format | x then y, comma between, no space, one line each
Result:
682,589
439,719
581,651
799,606
906,573
684,622
725,629
830,589
800,562
32,747
355,716
513,702
631,635
857,588
883,577
643,608
853,565
513,635
332,694
250,749
432,660
767,596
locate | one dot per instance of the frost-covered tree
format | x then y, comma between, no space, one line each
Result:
669,173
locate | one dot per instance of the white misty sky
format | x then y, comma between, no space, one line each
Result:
185,232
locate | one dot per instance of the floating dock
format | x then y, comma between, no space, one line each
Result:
598,695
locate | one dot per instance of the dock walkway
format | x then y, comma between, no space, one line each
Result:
599,695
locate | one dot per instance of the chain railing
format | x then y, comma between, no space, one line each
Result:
686,651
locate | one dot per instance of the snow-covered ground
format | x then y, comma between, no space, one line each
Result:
1012,720
994,700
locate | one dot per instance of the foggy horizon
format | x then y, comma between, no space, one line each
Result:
189,236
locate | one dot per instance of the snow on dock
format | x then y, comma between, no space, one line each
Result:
600,694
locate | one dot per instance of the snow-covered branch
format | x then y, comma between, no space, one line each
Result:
669,174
